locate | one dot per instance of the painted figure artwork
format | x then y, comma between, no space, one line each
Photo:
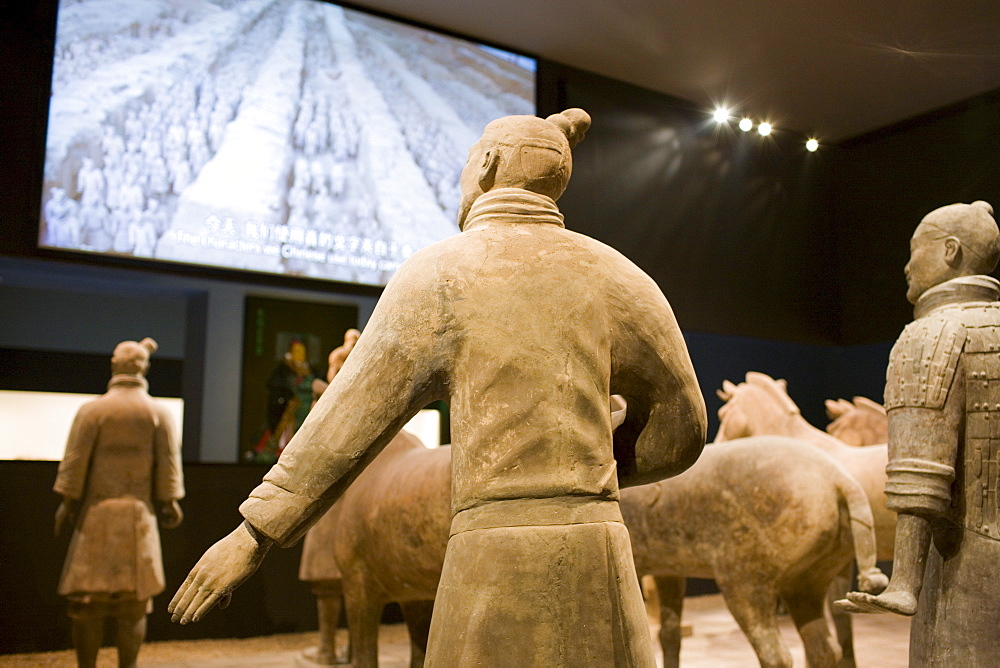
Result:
289,398
120,474
286,343
942,474
525,328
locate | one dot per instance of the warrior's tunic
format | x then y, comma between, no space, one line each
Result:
525,328
122,455
943,399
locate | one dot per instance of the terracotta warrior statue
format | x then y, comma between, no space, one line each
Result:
334,363
121,470
941,396
525,328
318,566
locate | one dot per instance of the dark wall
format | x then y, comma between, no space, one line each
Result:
33,616
26,44
880,185
814,373
723,220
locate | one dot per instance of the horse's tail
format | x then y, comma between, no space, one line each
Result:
870,578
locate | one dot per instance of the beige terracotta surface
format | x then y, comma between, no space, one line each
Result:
525,328
761,405
942,401
120,473
859,421
715,642
761,527
766,517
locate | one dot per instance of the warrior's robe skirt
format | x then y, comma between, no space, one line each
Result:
548,595
958,616
115,549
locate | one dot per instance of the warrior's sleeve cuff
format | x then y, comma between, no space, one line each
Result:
918,486
277,513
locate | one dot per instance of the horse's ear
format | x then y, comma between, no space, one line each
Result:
726,393
758,378
865,402
783,383
834,409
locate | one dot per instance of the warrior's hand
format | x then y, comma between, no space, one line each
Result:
898,602
65,515
171,514
220,570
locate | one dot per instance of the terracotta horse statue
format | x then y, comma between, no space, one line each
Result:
769,518
860,421
761,405
763,529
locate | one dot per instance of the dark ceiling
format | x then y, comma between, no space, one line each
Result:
830,68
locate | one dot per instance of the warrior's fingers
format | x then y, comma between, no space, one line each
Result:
188,593
208,604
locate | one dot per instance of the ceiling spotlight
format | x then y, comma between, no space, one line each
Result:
746,125
812,145
721,115
764,129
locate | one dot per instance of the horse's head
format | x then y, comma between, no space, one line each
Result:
861,422
760,405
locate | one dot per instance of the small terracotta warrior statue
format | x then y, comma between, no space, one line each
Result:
319,566
942,400
525,328
335,362
122,467
339,355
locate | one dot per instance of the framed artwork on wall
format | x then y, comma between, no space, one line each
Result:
286,344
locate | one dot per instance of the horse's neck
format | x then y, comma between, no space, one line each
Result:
800,428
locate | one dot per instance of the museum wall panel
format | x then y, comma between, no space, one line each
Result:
78,309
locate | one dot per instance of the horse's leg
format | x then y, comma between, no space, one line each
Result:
838,589
364,609
329,602
418,623
753,604
671,591
805,605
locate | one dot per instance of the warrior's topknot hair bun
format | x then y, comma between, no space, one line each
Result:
149,344
983,205
573,123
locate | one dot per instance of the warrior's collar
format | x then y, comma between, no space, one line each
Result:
960,290
513,205
127,380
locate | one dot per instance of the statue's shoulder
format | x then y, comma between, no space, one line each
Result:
975,314
923,362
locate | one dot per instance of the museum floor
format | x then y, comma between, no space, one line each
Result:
716,641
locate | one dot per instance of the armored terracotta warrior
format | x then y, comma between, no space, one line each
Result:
121,469
525,328
944,443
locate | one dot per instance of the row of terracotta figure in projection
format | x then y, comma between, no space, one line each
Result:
578,459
